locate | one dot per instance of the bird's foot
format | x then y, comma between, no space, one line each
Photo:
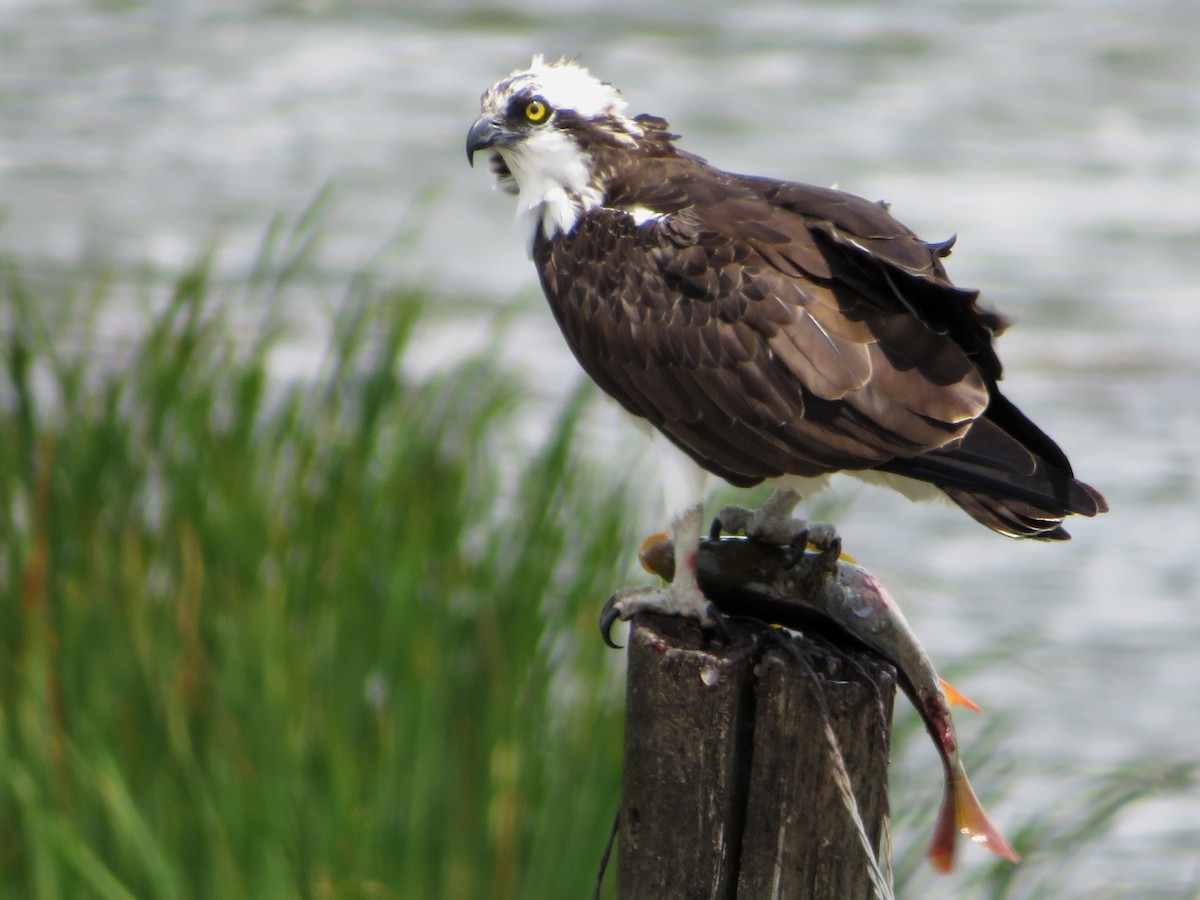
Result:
671,600
775,524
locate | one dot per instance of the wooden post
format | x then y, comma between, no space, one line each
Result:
731,780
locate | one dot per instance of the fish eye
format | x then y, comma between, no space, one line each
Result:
536,110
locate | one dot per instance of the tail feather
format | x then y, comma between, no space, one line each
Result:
1014,518
962,813
1003,483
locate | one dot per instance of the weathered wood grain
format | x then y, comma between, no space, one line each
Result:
728,788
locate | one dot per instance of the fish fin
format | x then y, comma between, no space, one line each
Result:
954,698
972,821
941,846
962,813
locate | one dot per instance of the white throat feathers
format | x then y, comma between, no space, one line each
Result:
552,175
551,172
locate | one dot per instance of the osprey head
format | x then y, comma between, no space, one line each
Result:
545,126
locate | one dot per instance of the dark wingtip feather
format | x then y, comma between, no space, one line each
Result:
1097,498
1021,488
941,249
1008,516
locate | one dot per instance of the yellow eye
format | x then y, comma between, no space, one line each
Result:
536,111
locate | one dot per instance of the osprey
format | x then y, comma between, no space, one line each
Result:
767,331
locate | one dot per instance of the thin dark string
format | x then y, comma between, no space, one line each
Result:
608,846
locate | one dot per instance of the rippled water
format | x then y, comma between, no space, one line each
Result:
1060,140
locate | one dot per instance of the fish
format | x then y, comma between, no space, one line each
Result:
825,592
654,557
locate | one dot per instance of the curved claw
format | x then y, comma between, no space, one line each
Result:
718,622
797,548
608,617
794,555
715,529
831,554
710,618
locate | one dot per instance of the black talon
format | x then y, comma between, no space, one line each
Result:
796,549
714,530
831,554
718,625
800,540
609,615
794,555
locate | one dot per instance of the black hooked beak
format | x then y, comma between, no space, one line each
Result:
484,134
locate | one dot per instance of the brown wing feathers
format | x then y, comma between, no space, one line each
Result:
773,329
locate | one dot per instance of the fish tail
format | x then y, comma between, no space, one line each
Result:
954,697
973,821
962,813
941,847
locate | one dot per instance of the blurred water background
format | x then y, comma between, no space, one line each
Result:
1060,140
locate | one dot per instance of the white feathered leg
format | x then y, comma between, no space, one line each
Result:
684,485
